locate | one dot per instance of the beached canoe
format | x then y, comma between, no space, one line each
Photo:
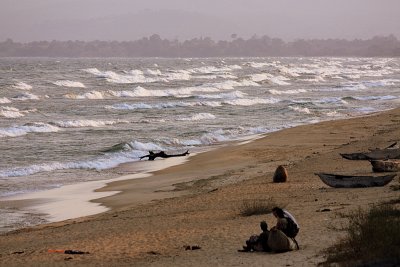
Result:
390,165
353,181
378,154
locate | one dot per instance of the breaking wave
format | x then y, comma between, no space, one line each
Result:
28,128
4,100
11,112
22,86
25,96
197,117
68,83
85,123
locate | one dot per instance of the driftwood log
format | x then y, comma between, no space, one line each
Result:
162,154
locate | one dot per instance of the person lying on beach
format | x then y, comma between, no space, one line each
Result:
162,154
258,242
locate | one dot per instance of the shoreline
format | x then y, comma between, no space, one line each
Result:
198,203
59,204
96,197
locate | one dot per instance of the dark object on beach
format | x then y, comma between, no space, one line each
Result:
390,152
69,251
18,252
187,247
390,165
354,181
162,154
152,252
280,175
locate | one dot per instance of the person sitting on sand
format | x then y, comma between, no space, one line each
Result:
258,242
162,154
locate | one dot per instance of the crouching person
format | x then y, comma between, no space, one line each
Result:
282,236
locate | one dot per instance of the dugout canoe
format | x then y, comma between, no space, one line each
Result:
354,181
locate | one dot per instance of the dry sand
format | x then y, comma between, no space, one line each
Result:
199,203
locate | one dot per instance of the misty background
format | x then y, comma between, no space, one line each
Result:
127,20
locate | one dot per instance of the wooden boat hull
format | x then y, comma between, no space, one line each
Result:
378,154
350,181
385,165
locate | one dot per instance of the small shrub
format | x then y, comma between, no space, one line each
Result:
372,236
257,207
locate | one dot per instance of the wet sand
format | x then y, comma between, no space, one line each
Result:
198,203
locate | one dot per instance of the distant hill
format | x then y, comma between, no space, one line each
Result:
155,46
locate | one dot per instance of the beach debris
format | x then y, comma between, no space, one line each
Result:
152,252
195,247
390,165
69,251
66,251
280,175
18,252
68,258
324,210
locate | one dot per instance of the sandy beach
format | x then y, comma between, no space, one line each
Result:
198,203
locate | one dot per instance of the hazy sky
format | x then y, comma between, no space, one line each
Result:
32,20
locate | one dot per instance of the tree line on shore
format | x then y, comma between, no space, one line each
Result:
155,46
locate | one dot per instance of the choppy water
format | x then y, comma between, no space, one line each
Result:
60,117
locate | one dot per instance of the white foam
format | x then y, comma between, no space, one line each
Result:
385,97
232,95
197,117
85,123
28,128
68,83
89,95
137,76
107,161
333,114
251,102
22,86
136,145
233,102
214,69
153,72
300,109
10,112
4,100
331,100
287,92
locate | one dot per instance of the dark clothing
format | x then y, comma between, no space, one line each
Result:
263,240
